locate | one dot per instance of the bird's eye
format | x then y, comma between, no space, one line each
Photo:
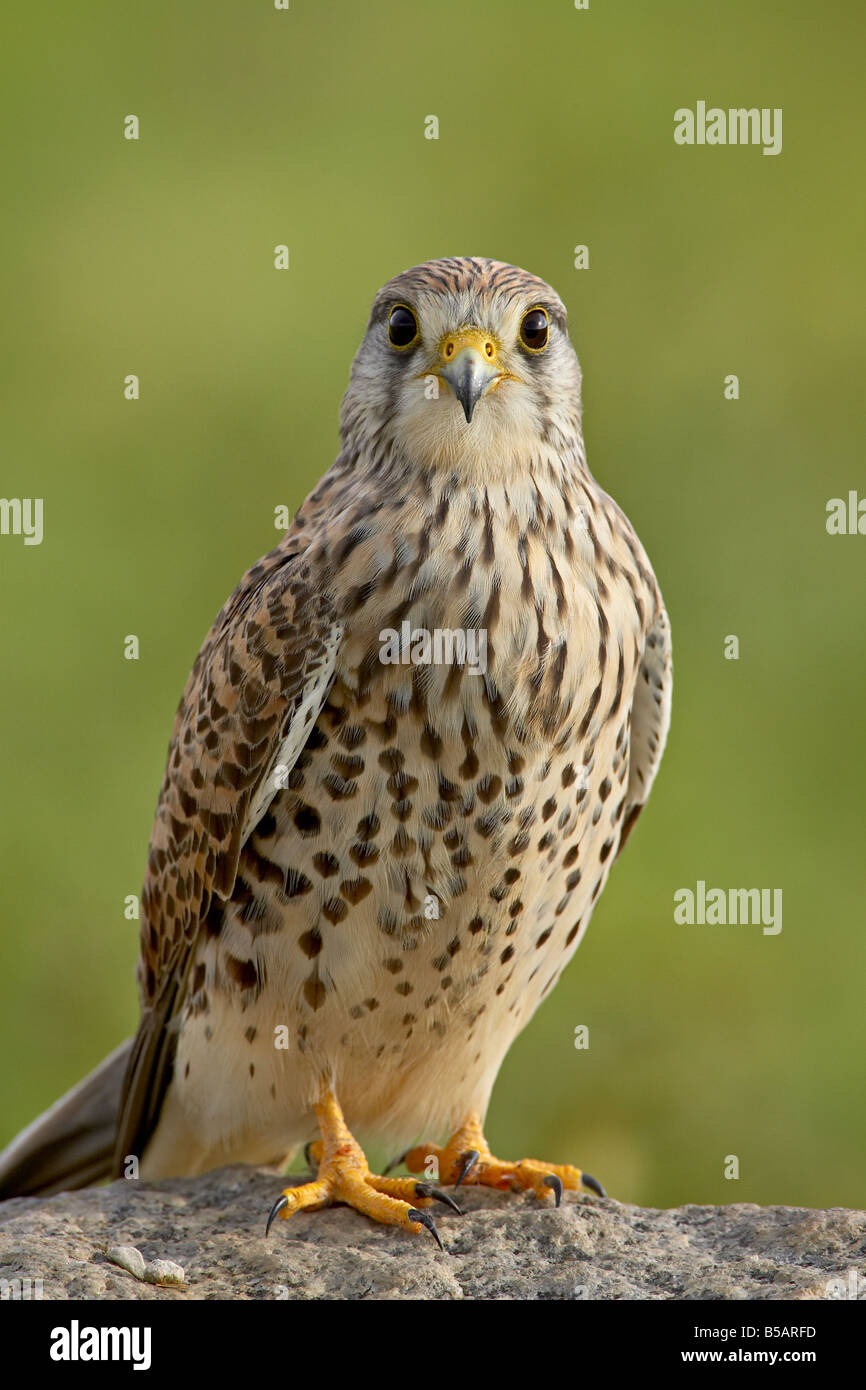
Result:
534,330
402,327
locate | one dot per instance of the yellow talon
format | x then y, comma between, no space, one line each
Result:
344,1176
466,1159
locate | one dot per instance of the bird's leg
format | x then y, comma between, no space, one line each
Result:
343,1176
466,1158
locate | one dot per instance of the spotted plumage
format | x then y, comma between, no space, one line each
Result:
364,877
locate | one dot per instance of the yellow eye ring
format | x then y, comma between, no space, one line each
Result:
535,329
403,330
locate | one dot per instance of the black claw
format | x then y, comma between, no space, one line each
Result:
395,1163
282,1201
467,1163
426,1189
426,1220
593,1184
555,1181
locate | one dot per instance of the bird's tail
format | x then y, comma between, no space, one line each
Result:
72,1144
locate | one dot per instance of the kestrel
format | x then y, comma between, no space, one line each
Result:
367,870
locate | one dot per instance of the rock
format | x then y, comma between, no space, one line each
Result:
128,1258
163,1272
209,1233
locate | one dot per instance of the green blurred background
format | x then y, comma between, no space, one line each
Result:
556,128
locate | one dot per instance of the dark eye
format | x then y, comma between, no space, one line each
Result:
402,327
534,330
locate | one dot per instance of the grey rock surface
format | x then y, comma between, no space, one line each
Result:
506,1246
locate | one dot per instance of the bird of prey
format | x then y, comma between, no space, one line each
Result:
371,863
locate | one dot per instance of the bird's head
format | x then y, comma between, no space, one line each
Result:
466,364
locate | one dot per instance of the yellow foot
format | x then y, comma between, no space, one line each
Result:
343,1176
466,1158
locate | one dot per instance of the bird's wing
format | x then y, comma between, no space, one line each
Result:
650,718
254,694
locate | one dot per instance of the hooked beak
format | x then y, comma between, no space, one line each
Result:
470,365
